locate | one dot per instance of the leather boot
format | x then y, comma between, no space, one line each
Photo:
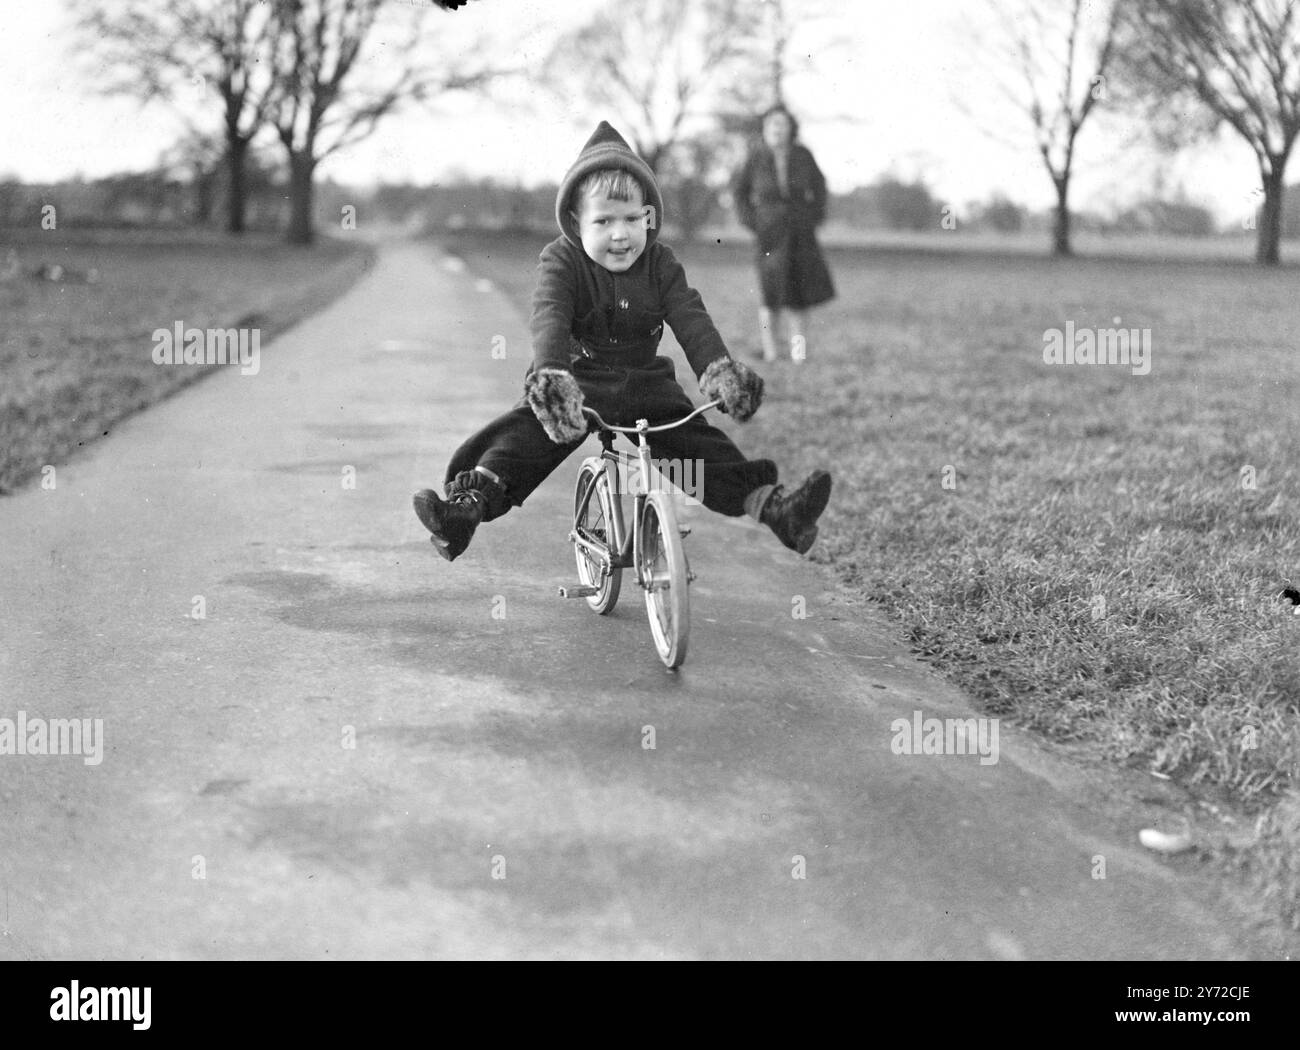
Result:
452,521
793,516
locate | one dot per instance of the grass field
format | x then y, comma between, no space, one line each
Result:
1235,246
1091,553
76,357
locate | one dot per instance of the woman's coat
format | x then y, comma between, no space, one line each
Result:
792,269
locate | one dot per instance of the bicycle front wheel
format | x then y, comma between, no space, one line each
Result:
593,520
664,575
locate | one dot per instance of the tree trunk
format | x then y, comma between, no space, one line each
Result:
204,194
1061,228
302,173
1269,236
236,197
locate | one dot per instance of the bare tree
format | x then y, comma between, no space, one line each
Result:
1240,60
698,168
656,65
196,159
780,46
186,52
796,42
816,27
1058,55
329,98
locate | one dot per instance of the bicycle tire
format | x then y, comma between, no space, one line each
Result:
664,574
596,521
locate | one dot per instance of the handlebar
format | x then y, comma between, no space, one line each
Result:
643,426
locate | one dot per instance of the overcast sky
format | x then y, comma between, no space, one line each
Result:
900,76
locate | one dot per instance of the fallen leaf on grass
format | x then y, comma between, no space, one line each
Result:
1163,842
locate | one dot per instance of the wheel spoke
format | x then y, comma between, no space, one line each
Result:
662,572
658,581
594,525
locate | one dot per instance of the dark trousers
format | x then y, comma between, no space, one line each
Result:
516,449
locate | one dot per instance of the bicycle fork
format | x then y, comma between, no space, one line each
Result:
638,510
612,554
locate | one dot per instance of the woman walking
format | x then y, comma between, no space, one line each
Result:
780,194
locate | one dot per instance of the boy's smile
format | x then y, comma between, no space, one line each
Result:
613,232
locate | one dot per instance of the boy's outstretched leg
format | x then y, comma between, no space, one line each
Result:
792,516
731,484
452,521
494,470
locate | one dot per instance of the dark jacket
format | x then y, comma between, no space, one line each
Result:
580,308
759,201
792,269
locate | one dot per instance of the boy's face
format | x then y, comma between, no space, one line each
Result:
613,232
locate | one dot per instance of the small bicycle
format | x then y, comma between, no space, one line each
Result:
604,547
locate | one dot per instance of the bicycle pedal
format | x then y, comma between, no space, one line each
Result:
579,592
684,530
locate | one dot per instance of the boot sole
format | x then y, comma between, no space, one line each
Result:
805,541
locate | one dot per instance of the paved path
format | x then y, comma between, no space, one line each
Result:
498,730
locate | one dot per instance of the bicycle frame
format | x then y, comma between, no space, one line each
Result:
624,545
625,550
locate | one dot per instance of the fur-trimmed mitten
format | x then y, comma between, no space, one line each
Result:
556,400
736,385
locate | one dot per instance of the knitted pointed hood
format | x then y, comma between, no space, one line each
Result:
607,149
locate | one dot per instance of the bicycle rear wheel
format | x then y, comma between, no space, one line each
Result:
664,575
594,522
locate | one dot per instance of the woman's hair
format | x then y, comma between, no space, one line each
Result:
780,108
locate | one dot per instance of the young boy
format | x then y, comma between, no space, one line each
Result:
605,289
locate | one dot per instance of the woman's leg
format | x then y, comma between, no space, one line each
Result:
798,340
766,320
